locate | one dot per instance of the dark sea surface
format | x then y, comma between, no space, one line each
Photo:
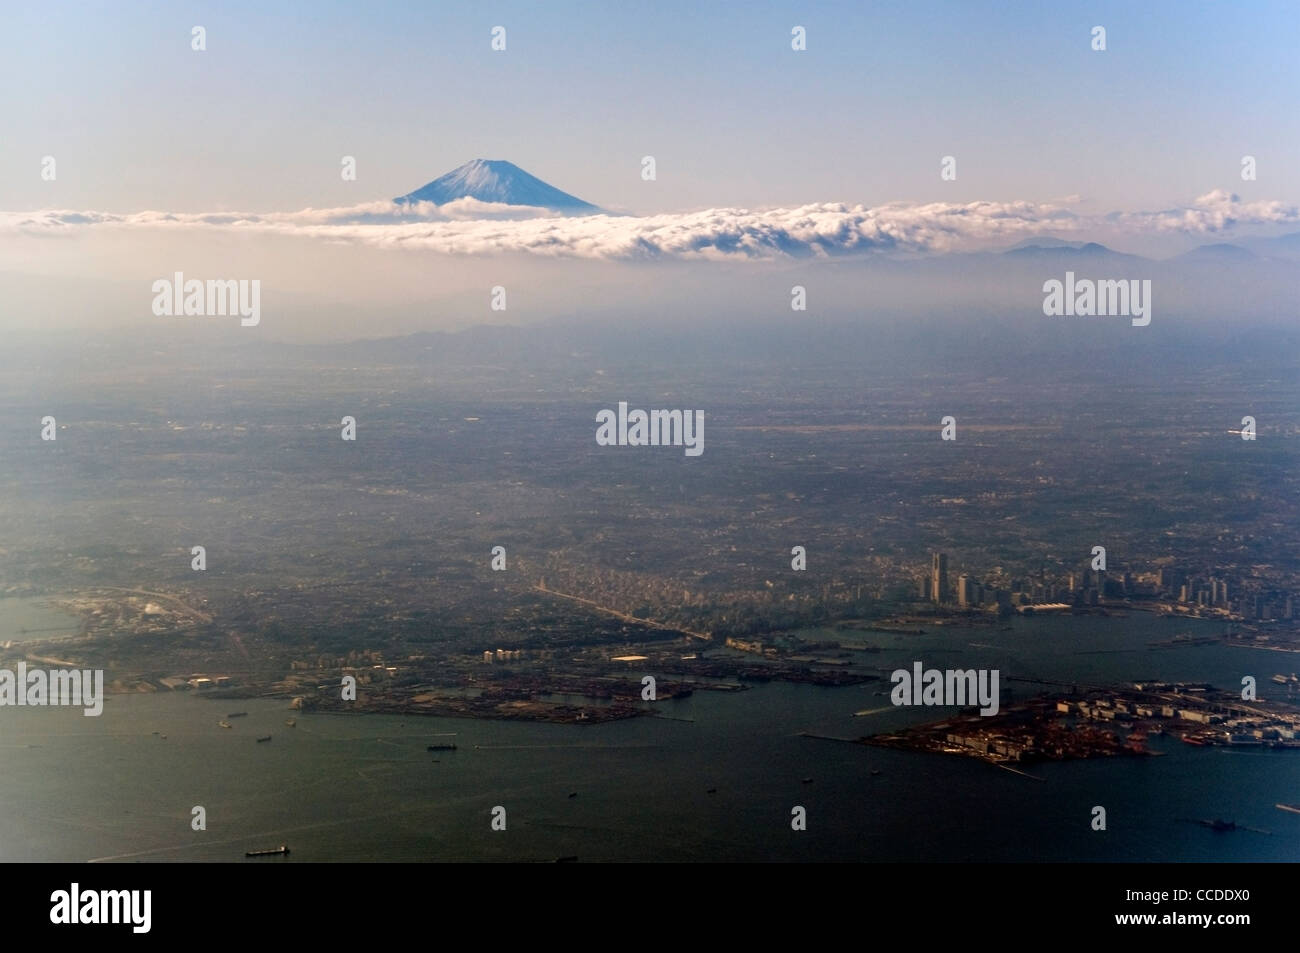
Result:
25,619
363,787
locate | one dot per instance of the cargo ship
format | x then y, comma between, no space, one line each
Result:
269,852
446,747
1185,638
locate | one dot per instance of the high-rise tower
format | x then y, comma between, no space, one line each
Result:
939,578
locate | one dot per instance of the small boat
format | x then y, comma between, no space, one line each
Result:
269,852
571,859
874,772
265,738
807,780
573,794
292,722
711,791
446,747
223,724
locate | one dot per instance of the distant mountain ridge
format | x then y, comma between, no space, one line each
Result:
499,181
1218,252
1057,248
1045,241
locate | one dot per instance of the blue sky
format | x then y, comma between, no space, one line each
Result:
259,121
775,167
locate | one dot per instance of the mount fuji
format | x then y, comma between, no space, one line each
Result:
495,180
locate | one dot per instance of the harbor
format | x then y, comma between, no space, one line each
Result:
1105,723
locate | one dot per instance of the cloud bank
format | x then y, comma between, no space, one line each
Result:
470,227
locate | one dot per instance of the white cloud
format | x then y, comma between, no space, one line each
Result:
470,227
1216,211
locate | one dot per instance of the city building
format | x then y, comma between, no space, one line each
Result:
939,578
